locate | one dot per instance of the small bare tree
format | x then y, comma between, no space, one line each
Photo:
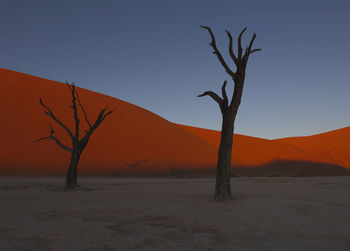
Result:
78,143
133,165
228,110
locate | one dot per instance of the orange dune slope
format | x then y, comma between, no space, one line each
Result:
252,151
131,135
333,146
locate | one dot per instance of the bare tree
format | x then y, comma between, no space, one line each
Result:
78,143
133,165
228,109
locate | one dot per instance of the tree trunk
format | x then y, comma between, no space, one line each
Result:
71,177
223,171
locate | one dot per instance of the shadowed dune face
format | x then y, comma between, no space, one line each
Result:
334,145
132,140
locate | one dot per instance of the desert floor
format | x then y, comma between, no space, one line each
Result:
175,214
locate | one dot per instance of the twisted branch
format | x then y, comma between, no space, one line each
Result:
230,47
240,43
49,113
75,109
84,111
223,102
100,118
51,136
217,52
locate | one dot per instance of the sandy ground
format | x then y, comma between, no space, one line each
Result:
175,214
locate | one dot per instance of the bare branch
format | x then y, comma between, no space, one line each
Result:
214,96
249,48
224,95
230,47
61,145
84,111
47,137
68,85
51,136
213,42
106,114
217,52
75,110
49,113
103,114
251,42
255,50
100,118
240,43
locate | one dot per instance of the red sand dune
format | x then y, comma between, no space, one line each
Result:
333,146
130,134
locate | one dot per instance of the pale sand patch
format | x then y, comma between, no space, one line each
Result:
308,213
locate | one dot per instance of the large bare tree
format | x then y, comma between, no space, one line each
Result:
78,143
228,109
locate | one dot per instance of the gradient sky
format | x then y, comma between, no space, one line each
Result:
153,54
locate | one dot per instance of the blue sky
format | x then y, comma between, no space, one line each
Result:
153,54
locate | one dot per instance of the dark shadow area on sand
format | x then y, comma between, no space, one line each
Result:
291,168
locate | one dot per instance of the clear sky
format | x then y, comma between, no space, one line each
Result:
153,54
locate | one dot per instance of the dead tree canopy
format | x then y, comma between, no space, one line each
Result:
237,76
78,143
228,108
